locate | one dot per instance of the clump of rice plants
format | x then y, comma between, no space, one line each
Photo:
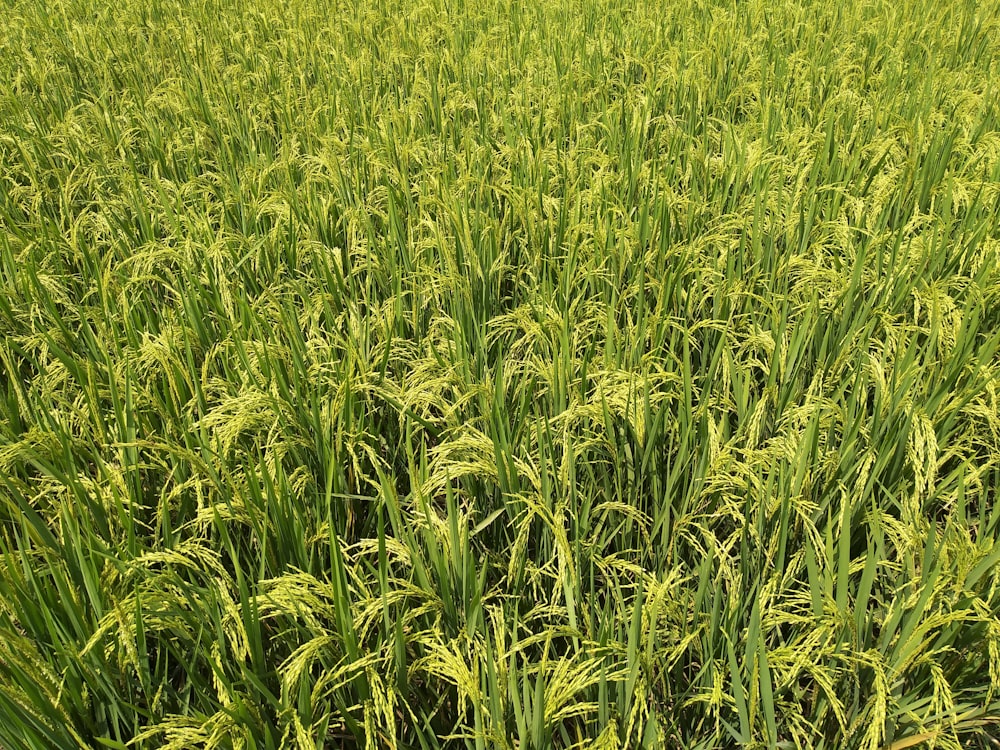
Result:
449,374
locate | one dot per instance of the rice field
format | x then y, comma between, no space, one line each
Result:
519,375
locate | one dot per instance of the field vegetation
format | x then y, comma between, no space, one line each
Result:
497,374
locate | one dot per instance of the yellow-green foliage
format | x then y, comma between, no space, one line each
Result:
499,374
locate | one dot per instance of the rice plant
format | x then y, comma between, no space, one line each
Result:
447,374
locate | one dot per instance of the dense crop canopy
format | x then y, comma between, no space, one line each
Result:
499,374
